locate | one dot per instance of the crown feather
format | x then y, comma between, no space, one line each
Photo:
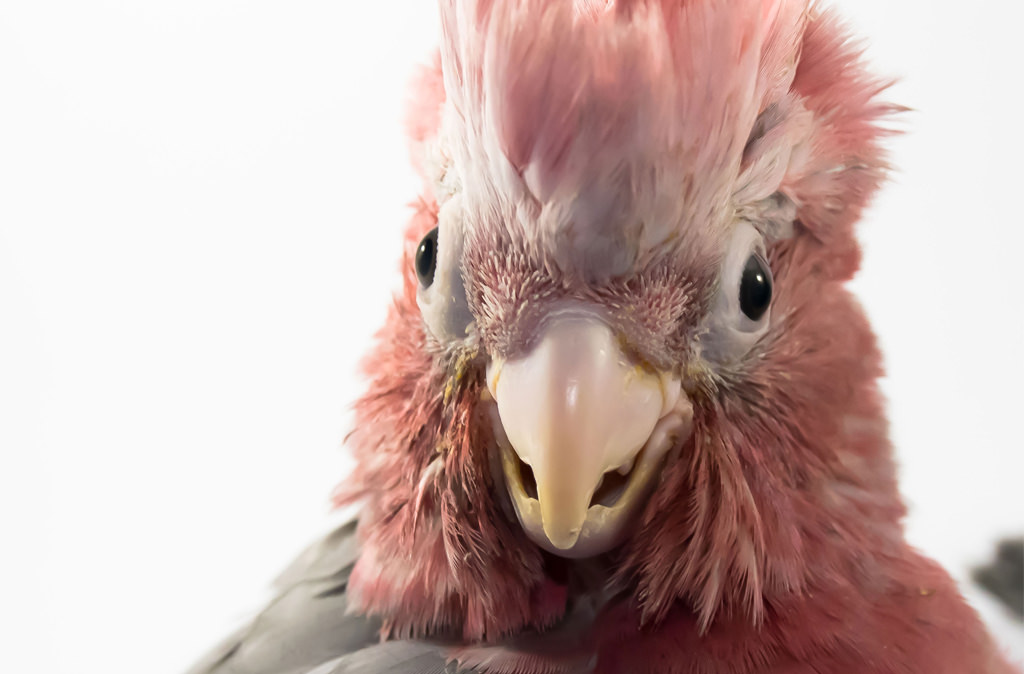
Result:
640,124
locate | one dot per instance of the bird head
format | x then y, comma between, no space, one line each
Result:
623,338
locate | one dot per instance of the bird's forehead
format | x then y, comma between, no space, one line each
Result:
598,132
588,242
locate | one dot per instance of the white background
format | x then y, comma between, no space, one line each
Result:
200,213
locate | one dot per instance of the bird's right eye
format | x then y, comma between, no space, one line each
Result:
441,295
426,258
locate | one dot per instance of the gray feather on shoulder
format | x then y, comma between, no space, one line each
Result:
307,625
393,657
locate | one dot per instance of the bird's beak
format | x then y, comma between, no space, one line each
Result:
583,429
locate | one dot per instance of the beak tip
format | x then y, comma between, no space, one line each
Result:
561,521
563,540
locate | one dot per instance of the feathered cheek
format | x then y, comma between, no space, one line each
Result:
441,295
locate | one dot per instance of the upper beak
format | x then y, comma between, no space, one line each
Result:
580,413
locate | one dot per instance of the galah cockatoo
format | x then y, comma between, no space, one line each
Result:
623,417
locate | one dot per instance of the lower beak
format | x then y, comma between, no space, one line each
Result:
583,430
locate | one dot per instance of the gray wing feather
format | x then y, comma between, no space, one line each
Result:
393,657
327,557
219,653
307,624
1004,577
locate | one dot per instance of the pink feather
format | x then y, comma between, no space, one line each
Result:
600,138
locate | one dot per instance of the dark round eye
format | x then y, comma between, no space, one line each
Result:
755,288
426,258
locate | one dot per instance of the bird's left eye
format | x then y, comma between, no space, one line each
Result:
741,313
755,288
426,258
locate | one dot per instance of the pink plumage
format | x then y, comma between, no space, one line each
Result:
674,182
597,139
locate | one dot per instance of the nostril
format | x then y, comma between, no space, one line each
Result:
527,478
610,489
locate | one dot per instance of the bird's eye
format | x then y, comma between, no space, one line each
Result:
755,288
441,295
741,313
426,258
